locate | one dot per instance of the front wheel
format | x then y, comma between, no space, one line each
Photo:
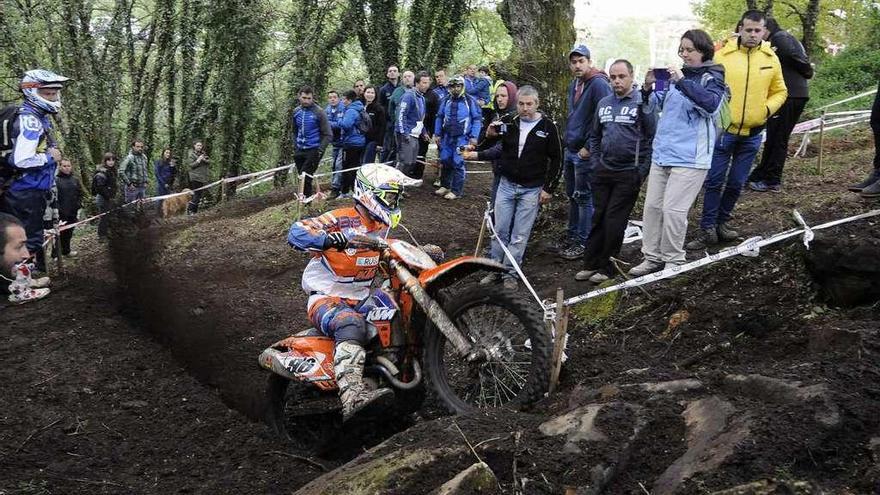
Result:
510,330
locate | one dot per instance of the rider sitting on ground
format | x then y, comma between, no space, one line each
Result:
338,278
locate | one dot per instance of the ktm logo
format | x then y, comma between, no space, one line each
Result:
381,314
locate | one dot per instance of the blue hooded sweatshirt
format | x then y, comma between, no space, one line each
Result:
686,130
32,136
582,112
478,87
411,113
352,137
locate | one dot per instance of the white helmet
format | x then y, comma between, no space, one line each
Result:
378,189
37,79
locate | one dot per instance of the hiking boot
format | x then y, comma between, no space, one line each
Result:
450,195
705,237
872,178
441,192
348,365
599,277
644,268
726,234
510,283
573,252
584,275
872,191
492,278
27,295
759,186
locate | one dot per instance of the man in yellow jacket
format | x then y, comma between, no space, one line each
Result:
754,75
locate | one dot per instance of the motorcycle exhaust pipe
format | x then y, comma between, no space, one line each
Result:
436,314
417,379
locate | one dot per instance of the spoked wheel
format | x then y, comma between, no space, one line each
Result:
302,416
510,331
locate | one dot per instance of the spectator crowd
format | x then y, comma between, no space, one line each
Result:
686,128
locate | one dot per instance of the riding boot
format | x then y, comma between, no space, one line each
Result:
348,365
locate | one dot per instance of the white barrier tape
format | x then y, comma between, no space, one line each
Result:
815,125
522,276
808,232
750,247
845,100
256,182
854,112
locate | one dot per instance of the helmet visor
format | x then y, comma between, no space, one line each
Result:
389,199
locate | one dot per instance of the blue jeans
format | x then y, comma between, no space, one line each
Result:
516,208
453,173
580,197
727,177
336,179
370,152
135,192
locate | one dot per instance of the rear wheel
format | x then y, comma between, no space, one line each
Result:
303,416
511,331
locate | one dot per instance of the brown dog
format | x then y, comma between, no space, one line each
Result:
177,204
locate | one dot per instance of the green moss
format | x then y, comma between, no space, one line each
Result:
597,309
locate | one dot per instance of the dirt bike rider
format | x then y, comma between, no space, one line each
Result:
338,278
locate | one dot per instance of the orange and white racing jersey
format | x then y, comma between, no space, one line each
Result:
346,274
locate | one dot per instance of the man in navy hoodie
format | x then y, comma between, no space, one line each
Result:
620,149
389,146
410,124
589,86
311,134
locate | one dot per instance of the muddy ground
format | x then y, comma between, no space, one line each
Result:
138,374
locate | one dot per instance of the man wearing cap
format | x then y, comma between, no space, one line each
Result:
34,156
588,87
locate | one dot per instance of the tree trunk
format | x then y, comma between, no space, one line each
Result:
809,21
542,33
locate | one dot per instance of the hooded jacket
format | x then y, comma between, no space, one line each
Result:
686,130
582,112
104,182
757,88
459,116
796,68
69,195
352,137
507,115
478,87
311,128
411,114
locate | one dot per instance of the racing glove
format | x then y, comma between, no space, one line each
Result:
336,240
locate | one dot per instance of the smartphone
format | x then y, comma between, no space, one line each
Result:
661,79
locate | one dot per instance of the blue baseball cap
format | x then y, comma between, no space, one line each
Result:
580,50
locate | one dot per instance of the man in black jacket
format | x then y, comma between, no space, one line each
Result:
796,70
529,154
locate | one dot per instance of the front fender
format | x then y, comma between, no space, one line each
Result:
452,271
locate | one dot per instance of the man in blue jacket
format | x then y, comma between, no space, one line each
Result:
311,133
352,139
620,149
389,147
34,156
589,86
458,124
409,124
335,109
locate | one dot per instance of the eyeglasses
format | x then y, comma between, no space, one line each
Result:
388,198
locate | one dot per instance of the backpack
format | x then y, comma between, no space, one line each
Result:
7,120
721,118
365,123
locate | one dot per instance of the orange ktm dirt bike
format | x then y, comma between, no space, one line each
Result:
474,346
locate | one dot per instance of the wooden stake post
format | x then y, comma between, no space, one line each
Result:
821,144
299,195
561,325
480,238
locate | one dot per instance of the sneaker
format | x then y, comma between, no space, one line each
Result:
441,192
40,282
584,275
872,191
573,252
73,254
644,268
510,283
562,245
759,186
705,237
726,234
490,279
599,277
28,295
451,195
437,183
872,179
777,188
672,266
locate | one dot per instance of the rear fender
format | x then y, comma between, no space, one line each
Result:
452,271
305,359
